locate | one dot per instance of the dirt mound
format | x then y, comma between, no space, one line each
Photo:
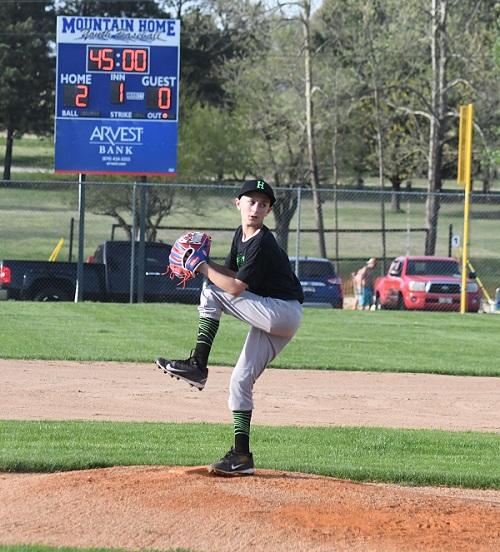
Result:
162,508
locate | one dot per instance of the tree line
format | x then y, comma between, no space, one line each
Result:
300,97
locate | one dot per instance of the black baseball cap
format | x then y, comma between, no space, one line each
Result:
257,186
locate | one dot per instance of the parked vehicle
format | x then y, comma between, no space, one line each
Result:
106,277
321,285
425,283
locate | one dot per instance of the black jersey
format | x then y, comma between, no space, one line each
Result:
263,266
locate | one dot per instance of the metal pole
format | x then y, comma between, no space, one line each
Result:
132,245
141,268
336,210
382,215
450,238
81,238
466,122
408,227
71,238
297,241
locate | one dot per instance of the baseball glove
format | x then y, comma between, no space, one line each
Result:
187,254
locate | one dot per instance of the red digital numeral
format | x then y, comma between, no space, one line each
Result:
117,92
134,60
103,57
82,97
164,97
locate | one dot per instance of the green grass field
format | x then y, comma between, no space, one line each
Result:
409,457
347,340
384,341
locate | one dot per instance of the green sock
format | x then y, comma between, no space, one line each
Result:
242,430
207,328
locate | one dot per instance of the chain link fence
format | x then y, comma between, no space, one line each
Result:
95,222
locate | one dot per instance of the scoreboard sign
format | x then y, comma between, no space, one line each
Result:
117,95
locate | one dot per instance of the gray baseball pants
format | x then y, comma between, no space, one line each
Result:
273,324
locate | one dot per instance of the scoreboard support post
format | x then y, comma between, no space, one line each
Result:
81,238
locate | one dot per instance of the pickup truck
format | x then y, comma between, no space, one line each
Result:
425,283
106,277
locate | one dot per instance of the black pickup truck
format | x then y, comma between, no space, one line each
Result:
106,277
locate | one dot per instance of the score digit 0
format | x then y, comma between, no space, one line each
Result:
159,97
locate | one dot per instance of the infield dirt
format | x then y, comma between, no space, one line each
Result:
167,507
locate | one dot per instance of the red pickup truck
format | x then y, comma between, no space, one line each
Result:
425,283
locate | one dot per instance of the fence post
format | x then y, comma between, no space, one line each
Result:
141,265
71,238
382,216
336,214
297,241
450,239
132,244
81,237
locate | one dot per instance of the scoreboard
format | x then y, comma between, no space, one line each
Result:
117,95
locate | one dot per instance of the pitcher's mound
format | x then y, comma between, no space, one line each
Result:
166,508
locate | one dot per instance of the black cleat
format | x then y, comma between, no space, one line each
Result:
189,370
234,463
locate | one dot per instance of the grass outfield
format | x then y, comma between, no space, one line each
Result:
408,457
382,341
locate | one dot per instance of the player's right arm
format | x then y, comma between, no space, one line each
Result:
223,277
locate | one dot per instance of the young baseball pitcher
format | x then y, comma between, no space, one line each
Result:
257,286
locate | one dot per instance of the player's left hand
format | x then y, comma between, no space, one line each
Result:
187,254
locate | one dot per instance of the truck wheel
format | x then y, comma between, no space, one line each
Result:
51,293
401,303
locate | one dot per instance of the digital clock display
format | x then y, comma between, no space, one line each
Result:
121,82
122,60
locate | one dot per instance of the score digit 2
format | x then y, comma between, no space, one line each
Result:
76,95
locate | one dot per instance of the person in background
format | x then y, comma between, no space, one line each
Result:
357,289
364,280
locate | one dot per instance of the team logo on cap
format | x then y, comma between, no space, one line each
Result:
260,184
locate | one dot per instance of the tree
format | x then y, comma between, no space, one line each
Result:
460,40
213,33
305,18
116,201
213,145
27,72
429,59
115,8
268,100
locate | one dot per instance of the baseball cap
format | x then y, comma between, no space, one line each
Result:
257,186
